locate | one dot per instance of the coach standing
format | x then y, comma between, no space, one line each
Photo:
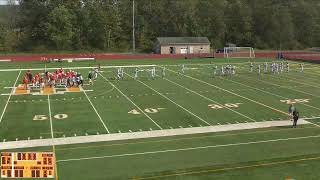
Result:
295,118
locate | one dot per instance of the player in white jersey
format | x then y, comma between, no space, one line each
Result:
153,72
288,67
301,67
259,69
118,73
251,67
136,73
95,71
163,72
233,70
215,68
222,70
265,67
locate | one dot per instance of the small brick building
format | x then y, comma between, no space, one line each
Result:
182,45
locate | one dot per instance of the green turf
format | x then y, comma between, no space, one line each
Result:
178,100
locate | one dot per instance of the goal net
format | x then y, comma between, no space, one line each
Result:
239,52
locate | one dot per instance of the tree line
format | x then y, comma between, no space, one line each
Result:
106,25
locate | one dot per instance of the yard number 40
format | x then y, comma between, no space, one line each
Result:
147,110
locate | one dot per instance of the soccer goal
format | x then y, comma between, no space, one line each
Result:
239,52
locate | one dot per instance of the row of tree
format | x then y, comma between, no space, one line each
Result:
107,24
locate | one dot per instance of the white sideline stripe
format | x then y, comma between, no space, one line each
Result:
173,102
130,101
209,99
311,118
144,134
73,68
204,82
95,110
51,126
5,60
191,148
5,107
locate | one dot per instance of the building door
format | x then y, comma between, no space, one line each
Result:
172,50
190,49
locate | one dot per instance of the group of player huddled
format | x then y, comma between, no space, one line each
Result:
52,79
275,68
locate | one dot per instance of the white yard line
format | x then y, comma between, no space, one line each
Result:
145,134
130,101
201,119
95,110
204,82
287,88
209,99
192,148
268,92
50,117
5,107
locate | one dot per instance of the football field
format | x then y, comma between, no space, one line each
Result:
185,95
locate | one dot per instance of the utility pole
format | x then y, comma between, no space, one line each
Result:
133,30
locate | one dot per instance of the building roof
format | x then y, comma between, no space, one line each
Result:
183,40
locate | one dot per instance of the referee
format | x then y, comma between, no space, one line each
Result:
295,118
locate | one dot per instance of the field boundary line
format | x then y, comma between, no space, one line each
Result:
204,82
227,168
161,94
130,101
144,134
192,148
5,107
179,139
95,110
209,99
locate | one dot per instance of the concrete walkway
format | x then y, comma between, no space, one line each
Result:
143,134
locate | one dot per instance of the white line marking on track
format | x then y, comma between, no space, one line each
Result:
5,107
191,148
130,100
95,110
